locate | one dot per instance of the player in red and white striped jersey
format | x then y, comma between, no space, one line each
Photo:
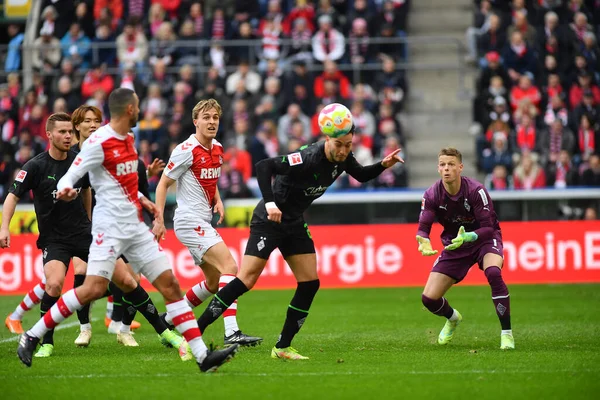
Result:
110,158
195,165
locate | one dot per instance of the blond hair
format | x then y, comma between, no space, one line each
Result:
204,106
451,152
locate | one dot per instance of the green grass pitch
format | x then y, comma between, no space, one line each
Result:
363,343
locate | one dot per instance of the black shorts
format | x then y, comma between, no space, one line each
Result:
291,239
65,252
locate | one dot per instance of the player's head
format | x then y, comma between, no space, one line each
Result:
59,130
86,119
338,148
124,103
206,116
450,164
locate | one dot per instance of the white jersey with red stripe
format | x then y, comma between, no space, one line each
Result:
111,161
196,170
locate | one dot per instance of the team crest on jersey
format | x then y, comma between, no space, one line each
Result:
295,158
116,153
335,172
467,206
21,176
202,159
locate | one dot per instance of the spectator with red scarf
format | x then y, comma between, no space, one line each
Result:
562,174
328,43
525,135
518,57
587,138
528,173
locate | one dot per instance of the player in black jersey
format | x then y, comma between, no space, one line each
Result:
65,228
278,222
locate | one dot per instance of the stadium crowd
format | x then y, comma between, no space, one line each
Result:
538,99
271,97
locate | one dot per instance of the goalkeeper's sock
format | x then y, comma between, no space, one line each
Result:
297,312
439,307
500,296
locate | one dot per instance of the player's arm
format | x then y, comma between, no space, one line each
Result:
265,171
23,183
482,210
8,210
178,164
90,157
426,219
366,173
219,208
86,197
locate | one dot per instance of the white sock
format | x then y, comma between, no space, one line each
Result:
125,328
230,315
18,313
454,316
188,327
506,332
85,327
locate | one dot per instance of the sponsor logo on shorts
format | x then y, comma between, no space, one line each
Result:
199,231
100,239
45,253
104,274
21,176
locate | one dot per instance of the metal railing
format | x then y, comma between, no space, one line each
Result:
254,47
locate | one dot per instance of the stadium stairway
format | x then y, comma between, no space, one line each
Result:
438,109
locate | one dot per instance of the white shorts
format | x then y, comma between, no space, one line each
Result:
134,241
197,237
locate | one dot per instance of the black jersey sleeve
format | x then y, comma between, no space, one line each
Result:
25,180
143,179
360,173
282,165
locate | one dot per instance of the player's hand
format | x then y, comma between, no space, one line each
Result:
4,238
425,246
149,206
462,237
158,230
66,194
273,213
156,167
392,159
219,209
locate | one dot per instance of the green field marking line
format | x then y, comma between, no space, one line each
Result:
65,326
328,373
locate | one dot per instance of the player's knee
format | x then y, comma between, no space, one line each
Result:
128,284
93,290
427,301
493,273
170,289
54,286
229,268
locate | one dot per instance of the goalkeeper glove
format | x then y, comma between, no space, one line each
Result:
425,246
462,237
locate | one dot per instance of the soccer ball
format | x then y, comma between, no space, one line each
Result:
335,120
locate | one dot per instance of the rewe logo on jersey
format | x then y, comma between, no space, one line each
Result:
210,173
127,167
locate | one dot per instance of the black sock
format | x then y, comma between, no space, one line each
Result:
45,306
221,302
138,300
297,312
83,315
118,308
